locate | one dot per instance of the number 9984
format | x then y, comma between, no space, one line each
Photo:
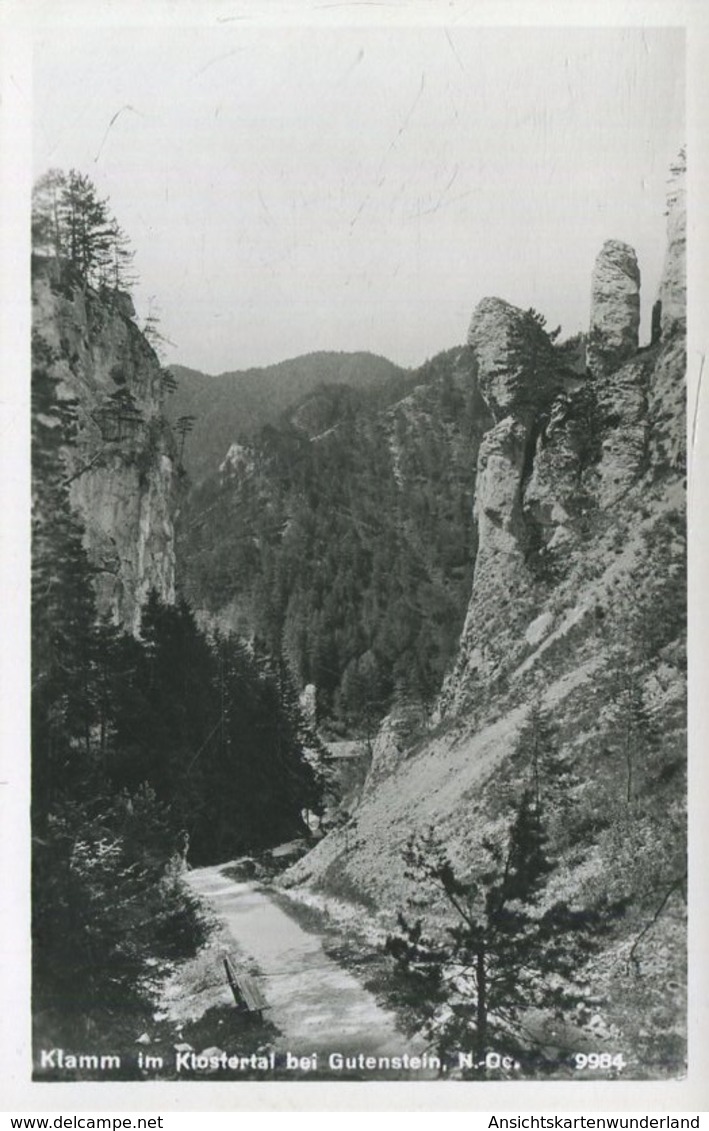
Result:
599,1060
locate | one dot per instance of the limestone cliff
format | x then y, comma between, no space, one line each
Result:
569,451
122,466
577,608
518,379
615,307
673,287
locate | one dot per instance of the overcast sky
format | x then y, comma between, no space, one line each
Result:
289,190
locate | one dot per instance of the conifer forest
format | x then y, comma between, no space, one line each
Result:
358,709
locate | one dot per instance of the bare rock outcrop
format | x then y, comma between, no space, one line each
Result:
568,453
667,439
393,739
501,546
615,307
122,466
551,494
673,285
497,496
513,355
518,378
624,428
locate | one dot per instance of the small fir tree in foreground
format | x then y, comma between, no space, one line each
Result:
509,949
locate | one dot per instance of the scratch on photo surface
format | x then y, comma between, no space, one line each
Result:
439,202
115,118
695,415
452,47
353,66
389,148
217,59
269,217
405,122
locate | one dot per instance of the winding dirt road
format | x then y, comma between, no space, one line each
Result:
316,1004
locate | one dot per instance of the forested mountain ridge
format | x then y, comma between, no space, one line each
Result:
236,405
562,722
341,537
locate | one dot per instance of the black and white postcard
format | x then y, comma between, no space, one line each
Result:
357,739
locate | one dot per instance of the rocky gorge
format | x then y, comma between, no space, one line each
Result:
476,570
578,610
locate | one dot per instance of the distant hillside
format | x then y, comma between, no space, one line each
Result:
341,538
237,405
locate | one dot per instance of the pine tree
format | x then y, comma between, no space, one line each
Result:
87,225
48,236
113,257
63,611
72,224
546,768
151,331
183,427
508,950
533,354
632,735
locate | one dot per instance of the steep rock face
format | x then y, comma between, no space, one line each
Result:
615,307
577,607
673,286
551,494
390,745
501,542
567,452
623,423
667,439
121,468
517,377
510,348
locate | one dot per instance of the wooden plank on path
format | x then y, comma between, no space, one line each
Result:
245,990
231,979
252,994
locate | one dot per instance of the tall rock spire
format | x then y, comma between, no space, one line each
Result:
615,308
673,285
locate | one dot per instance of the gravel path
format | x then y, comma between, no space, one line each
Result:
316,1004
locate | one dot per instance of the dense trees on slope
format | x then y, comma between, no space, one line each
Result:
235,406
100,858
135,742
132,742
509,950
349,550
213,731
71,223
